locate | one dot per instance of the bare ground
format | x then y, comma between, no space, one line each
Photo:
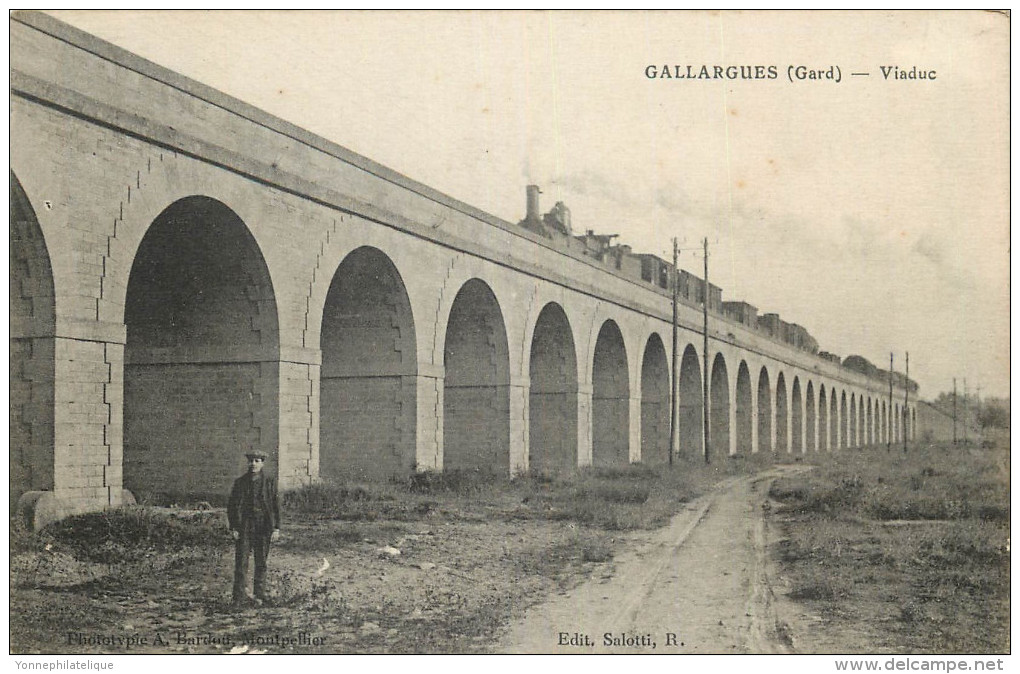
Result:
474,555
700,585
498,574
450,588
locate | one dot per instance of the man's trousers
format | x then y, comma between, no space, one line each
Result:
254,538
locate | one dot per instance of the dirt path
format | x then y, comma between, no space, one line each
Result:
700,585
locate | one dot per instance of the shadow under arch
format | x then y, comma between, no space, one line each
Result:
823,419
852,433
367,389
719,409
32,351
833,420
610,399
743,413
552,399
782,416
654,403
476,396
810,435
796,418
843,420
869,424
692,435
201,362
765,412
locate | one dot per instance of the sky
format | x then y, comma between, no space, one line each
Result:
873,211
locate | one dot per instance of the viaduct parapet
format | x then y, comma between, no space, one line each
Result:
191,276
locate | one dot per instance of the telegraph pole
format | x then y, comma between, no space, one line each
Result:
954,410
890,419
674,403
906,402
704,379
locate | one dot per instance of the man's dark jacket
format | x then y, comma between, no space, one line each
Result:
239,507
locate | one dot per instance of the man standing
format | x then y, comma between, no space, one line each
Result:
253,514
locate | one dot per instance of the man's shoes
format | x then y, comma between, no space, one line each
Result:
239,603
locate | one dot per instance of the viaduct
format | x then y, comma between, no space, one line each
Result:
191,276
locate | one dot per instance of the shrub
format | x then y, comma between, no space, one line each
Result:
596,550
612,492
327,498
790,489
126,534
453,481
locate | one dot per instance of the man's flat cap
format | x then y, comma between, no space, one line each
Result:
256,454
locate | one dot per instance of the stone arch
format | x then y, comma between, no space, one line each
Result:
654,402
796,418
719,407
810,444
887,421
862,413
201,374
892,422
833,420
903,422
782,416
887,418
842,419
32,344
897,417
574,316
461,270
862,437
367,392
552,400
885,424
744,417
878,421
823,419
877,404
859,421
869,423
476,396
765,413
691,404
861,432
853,421
610,398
